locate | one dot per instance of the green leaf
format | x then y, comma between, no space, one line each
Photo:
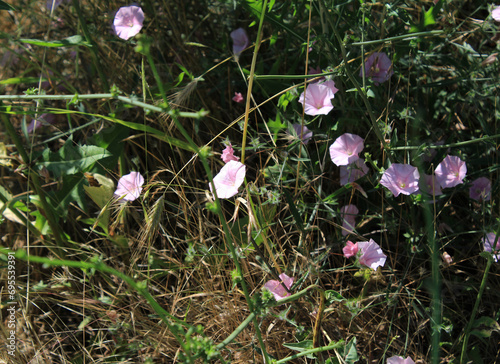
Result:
72,159
18,80
333,296
71,192
5,6
101,196
484,326
75,40
301,346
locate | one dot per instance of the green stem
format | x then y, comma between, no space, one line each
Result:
93,49
250,85
336,345
36,185
172,322
400,37
463,355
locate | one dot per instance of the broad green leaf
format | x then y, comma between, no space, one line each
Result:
333,296
101,195
75,40
72,159
484,326
71,192
5,6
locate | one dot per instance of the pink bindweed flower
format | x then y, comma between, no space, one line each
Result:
399,360
350,250
306,133
401,178
276,287
371,254
317,97
238,97
128,21
495,13
229,179
345,149
428,185
353,171
378,67
130,186
488,242
44,119
348,214
480,189
228,154
240,40
451,171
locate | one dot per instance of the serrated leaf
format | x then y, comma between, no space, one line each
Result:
75,40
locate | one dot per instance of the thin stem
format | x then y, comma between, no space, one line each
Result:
250,83
463,355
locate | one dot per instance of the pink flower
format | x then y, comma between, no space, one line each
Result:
401,178
378,67
130,186
240,40
345,149
306,133
480,189
228,154
276,287
353,171
229,179
495,13
348,214
428,184
488,242
44,119
317,99
399,360
128,21
371,254
350,250
238,97
451,171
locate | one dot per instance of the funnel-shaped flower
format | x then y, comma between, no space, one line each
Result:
345,149
229,179
130,186
489,245
480,189
378,67
371,254
240,40
399,360
316,99
276,287
428,184
228,154
401,178
348,214
353,171
128,21
495,13
350,250
303,131
451,171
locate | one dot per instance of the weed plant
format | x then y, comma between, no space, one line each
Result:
352,218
